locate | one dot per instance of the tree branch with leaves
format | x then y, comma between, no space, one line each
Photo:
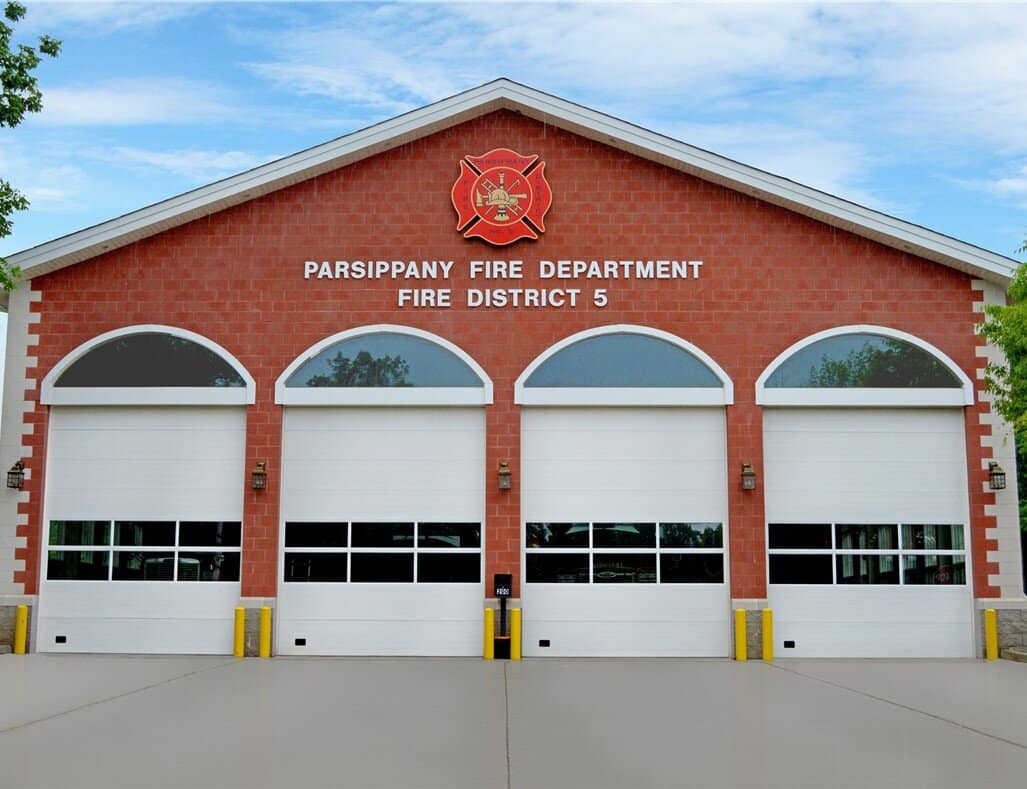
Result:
19,95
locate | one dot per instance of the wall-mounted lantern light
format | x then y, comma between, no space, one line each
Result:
16,476
503,475
258,477
996,476
748,477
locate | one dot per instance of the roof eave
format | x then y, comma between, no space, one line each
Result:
504,94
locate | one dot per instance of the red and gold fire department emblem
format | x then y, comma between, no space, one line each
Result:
501,196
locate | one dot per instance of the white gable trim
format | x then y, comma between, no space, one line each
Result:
504,94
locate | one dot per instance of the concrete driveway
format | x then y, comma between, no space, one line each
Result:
118,721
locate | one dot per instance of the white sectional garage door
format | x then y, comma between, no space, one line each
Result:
868,532
625,513
142,529
382,537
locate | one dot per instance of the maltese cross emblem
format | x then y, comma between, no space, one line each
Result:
501,197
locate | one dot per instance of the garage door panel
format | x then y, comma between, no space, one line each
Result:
628,638
406,465
871,466
143,464
148,465
624,465
145,635
387,638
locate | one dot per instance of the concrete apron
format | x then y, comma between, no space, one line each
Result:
114,721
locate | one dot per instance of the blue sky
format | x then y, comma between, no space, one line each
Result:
917,110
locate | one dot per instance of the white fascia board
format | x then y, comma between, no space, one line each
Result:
865,398
504,94
789,194
383,396
623,396
146,395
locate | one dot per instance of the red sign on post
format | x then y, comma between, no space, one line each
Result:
501,197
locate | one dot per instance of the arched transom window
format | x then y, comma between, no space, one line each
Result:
863,365
385,365
148,365
623,365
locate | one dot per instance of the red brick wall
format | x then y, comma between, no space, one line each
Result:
770,278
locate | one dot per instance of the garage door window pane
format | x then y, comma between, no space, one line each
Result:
800,569
144,533
799,535
382,567
80,532
932,537
384,359
691,535
316,535
557,535
146,566
150,359
624,535
383,535
449,535
934,570
624,568
449,568
557,568
691,568
77,565
862,360
208,566
315,567
623,360
227,533
863,537
868,569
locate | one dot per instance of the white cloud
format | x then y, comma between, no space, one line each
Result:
197,165
56,18
47,182
135,101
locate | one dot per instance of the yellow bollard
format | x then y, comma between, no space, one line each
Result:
489,635
741,647
21,626
768,634
515,634
991,634
240,633
265,632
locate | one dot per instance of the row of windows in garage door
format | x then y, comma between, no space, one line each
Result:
339,552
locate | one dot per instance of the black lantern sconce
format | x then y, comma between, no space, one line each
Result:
996,476
748,477
503,475
16,476
258,477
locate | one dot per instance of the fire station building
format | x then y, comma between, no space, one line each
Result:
505,333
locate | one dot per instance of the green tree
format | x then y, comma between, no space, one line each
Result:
19,94
1006,327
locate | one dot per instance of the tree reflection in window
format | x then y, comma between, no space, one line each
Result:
384,359
870,361
150,359
363,370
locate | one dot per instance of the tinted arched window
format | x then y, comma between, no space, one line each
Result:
623,360
384,359
150,359
862,360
